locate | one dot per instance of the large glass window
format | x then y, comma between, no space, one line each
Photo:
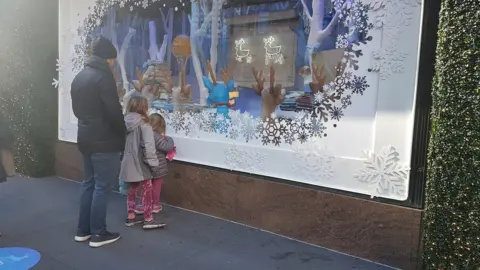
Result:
290,89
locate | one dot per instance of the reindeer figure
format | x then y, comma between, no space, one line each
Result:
272,96
219,92
140,83
182,94
138,86
319,79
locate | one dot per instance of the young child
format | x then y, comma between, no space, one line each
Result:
165,150
139,160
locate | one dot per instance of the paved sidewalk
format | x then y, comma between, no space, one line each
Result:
42,213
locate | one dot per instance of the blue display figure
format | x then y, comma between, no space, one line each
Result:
220,95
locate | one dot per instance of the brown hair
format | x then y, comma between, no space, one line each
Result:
138,104
158,123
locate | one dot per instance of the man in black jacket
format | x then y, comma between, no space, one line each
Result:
101,139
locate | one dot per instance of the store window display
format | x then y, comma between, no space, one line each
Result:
276,78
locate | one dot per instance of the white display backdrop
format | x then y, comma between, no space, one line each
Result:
367,152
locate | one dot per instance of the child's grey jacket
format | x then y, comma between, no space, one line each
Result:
140,154
163,144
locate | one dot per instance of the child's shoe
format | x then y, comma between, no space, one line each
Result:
139,210
157,209
129,222
151,225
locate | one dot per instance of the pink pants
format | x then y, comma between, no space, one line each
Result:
156,191
146,198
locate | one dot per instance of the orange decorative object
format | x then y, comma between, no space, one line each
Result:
181,46
234,94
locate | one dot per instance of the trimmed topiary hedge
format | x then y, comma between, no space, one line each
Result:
28,50
452,217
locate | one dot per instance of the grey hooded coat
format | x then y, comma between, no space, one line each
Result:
140,154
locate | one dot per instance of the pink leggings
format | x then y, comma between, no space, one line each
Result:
157,189
146,198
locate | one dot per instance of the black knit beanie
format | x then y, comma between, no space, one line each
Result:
103,48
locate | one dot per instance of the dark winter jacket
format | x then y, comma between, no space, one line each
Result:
101,127
163,145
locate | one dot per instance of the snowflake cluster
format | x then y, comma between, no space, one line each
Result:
392,17
337,96
328,104
244,159
354,16
239,126
313,161
96,18
342,41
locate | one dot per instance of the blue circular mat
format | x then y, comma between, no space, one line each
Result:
17,258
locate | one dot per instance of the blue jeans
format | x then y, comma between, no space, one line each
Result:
101,171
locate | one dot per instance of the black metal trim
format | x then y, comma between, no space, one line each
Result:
421,131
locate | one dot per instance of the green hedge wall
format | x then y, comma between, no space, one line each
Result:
28,50
452,217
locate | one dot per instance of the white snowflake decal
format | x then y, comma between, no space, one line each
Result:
392,16
61,68
313,161
56,83
192,125
241,158
384,174
342,41
388,61
249,127
319,97
60,82
176,121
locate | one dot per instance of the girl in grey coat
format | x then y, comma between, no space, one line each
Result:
139,160
163,145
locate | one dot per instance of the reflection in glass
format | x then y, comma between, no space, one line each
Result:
216,56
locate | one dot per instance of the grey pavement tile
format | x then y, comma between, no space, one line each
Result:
254,249
42,214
